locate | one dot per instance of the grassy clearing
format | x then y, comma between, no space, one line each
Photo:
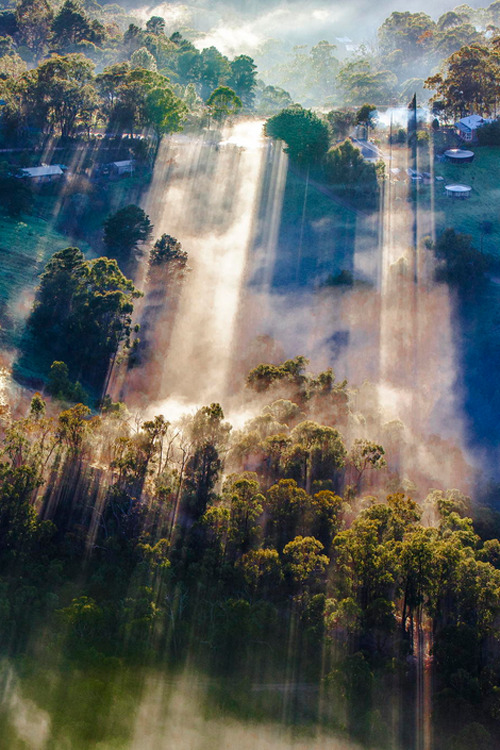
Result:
477,314
319,233
483,175
25,246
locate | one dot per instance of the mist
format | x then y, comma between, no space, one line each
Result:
245,27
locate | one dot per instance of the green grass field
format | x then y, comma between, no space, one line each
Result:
25,247
483,175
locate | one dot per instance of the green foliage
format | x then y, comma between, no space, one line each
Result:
340,122
305,134
16,195
366,115
470,82
82,312
60,92
142,58
361,81
272,99
265,375
136,97
489,134
223,102
409,32
60,386
71,26
156,25
125,229
304,561
72,425
350,175
20,528
460,263
168,252
243,79
37,407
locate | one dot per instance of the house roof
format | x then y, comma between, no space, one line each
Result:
472,122
45,171
126,163
368,150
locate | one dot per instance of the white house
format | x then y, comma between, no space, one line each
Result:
45,173
467,126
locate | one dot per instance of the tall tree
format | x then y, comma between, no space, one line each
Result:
125,229
469,83
61,91
243,79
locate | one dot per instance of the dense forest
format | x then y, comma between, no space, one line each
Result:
289,556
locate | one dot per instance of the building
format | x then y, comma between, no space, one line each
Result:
117,168
369,151
44,173
467,126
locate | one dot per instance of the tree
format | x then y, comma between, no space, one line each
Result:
272,99
349,174
60,91
208,434
325,66
136,97
452,39
341,123
409,32
304,562
360,82
34,19
82,313
246,506
460,263
286,507
125,229
470,82
223,103
60,386
367,117
156,25
243,79
265,375
20,528
16,195
305,134
315,453
214,70
167,252
262,570
71,26
73,426
142,58
164,111
363,455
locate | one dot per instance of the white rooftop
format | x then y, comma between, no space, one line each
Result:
45,171
473,121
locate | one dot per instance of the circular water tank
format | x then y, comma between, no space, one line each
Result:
459,156
458,191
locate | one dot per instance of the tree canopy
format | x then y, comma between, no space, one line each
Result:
82,313
305,134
